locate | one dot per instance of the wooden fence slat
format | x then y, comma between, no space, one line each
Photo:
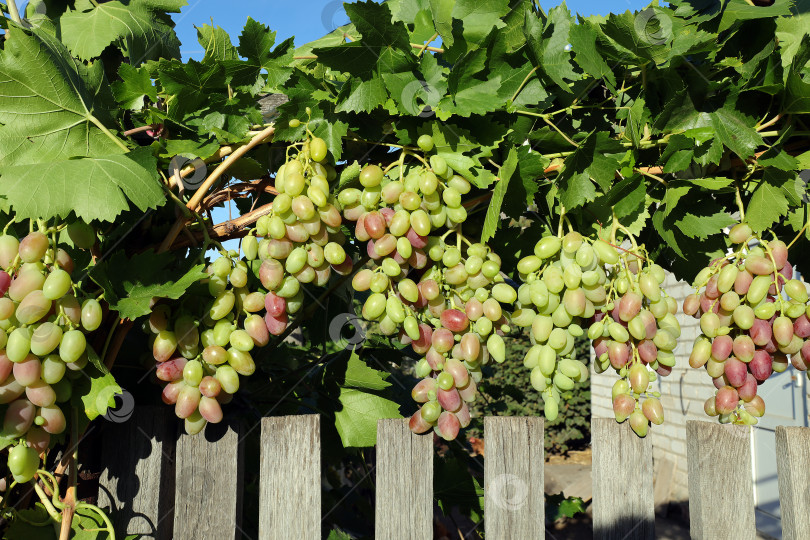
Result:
208,483
513,478
290,476
138,479
404,485
792,457
623,497
721,488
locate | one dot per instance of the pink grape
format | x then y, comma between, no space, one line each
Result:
38,439
450,400
257,330
374,224
735,371
468,391
647,351
463,415
448,425
417,424
454,320
40,394
748,389
421,345
210,409
619,354
187,401
743,348
761,366
623,405
422,389
711,288
274,304
726,400
28,371
760,332
416,240
54,419
276,325
171,370
801,326
721,347
691,304
10,390
6,366
171,391
33,247
5,282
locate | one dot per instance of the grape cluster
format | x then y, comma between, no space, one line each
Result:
563,285
200,358
42,340
636,333
442,300
302,240
753,315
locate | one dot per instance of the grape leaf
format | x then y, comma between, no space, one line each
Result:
356,422
217,44
130,284
134,86
360,375
768,203
583,43
88,33
479,17
94,187
388,40
95,393
740,10
363,96
49,111
704,224
493,217
23,528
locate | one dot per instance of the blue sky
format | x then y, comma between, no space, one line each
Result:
308,20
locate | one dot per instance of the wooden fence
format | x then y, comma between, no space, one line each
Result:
167,486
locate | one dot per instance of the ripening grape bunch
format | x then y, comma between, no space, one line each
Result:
442,299
753,316
42,338
636,333
201,353
302,241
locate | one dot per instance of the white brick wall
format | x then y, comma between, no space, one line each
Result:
682,395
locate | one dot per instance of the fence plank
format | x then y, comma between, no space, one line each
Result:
138,479
623,499
208,483
290,475
513,478
404,486
792,457
721,490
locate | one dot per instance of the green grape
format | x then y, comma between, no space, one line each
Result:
91,314
192,373
23,463
317,149
19,344
222,305
371,176
425,142
45,338
57,284
33,307
72,346
241,340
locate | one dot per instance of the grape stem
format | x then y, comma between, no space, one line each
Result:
9,224
738,197
70,496
13,12
560,226
776,275
799,234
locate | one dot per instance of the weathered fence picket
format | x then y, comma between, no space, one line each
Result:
167,486
208,483
404,486
290,474
138,482
792,459
623,501
513,478
721,489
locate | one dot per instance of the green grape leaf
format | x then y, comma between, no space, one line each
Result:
583,42
360,375
363,96
387,39
740,10
134,86
705,223
349,174
88,33
49,111
95,393
356,422
130,284
493,217
479,17
94,187
768,203
33,524
217,44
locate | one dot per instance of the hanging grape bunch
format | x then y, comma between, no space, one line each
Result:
42,338
753,315
442,299
201,349
303,242
635,333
